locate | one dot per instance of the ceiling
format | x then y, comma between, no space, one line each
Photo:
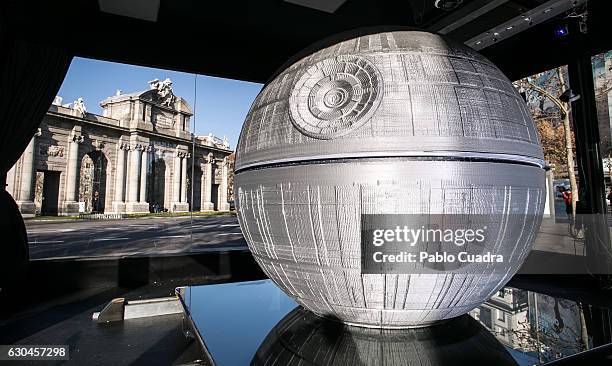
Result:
251,39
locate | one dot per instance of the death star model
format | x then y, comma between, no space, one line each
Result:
393,123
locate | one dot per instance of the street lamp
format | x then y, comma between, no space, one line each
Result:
569,96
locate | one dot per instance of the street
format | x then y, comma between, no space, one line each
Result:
173,235
143,236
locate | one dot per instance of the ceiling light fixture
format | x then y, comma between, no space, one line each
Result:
526,19
448,4
569,96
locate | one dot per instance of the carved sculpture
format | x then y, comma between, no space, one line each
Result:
79,106
164,91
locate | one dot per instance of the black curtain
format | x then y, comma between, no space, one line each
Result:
30,76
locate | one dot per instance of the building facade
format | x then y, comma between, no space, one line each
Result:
505,315
135,158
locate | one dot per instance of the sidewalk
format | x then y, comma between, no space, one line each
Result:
556,238
63,219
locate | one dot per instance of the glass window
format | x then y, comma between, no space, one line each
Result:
127,162
552,115
602,78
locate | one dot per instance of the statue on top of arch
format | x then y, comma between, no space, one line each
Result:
164,91
79,106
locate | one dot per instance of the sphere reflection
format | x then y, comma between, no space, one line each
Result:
302,338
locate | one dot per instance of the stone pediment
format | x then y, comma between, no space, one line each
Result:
151,96
156,109
160,94
179,104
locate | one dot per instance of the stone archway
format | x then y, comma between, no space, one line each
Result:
157,193
92,182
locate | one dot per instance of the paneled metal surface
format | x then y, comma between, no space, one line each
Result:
391,123
383,94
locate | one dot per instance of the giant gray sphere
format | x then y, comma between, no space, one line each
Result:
399,122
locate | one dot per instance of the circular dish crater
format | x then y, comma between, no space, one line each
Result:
335,96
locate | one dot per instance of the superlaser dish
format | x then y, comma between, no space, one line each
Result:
394,123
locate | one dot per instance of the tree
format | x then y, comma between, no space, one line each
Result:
552,137
549,86
231,161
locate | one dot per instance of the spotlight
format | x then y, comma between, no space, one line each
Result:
561,31
447,4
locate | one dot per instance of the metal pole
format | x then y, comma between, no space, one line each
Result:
590,169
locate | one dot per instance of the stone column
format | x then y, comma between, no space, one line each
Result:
179,191
176,179
71,206
206,184
133,205
10,181
119,202
144,166
184,179
27,171
128,172
223,204
25,193
135,156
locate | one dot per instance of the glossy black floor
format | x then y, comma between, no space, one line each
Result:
55,306
55,303
256,323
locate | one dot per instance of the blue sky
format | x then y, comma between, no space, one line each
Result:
220,108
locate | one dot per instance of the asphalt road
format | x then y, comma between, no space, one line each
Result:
150,235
